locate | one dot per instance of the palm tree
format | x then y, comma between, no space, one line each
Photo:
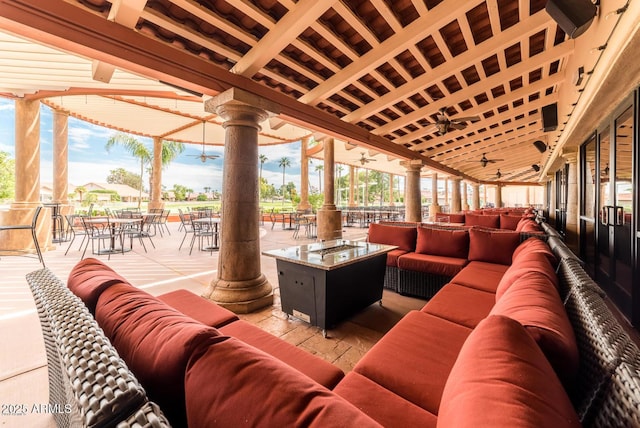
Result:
263,159
170,150
284,163
319,168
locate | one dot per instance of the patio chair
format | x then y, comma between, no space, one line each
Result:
76,228
140,230
185,224
103,233
201,231
32,228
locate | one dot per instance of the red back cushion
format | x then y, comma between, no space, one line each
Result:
89,278
492,246
534,245
403,237
509,221
535,303
443,242
232,384
486,220
532,264
156,342
502,379
457,218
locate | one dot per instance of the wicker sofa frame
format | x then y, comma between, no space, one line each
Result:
88,381
607,393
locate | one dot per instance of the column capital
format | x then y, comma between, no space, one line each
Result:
241,107
412,165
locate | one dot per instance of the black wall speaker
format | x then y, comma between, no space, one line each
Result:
550,117
540,145
573,16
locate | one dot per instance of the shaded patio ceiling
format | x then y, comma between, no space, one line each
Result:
372,73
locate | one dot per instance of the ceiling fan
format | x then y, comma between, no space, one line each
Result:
445,124
363,159
204,156
498,174
484,161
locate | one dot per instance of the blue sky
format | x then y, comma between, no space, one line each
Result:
89,161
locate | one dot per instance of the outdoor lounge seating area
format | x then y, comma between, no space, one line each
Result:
563,358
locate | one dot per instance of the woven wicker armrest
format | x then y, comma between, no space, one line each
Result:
86,374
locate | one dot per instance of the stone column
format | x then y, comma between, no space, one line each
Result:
156,179
413,206
498,195
475,204
527,196
456,201
446,193
465,196
352,180
27,186
572,214
434,208
485,194
304,175
329,218
240,286
392,201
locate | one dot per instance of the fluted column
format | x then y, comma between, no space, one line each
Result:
413,205
476,197
304,175
392,201
329,218
27,186
446,193
498,195
456,202
156,178
434,208
352,180
240,286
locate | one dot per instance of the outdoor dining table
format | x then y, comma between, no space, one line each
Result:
213,222
113,223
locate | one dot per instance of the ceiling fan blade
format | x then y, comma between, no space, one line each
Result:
457,126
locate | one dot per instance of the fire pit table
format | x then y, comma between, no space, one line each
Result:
328,282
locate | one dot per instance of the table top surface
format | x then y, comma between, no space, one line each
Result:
329,255
207,220
112,220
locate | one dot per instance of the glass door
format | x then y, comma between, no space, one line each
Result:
588,174
623,208
603,259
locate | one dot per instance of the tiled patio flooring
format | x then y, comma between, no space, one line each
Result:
23,373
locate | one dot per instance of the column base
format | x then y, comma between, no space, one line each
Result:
304,206
155,205
241,297
329,225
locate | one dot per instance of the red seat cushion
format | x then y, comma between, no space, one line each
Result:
198,308
402,237
403,361
436,265
485,220
534,302
443,242
384,406
232,384
501,379
89,278
492,246
481,275
393,255
155,341
459,304
316,368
